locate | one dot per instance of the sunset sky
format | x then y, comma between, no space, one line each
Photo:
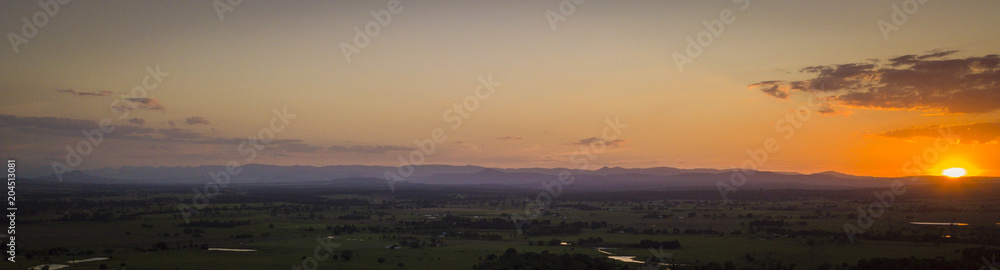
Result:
880,101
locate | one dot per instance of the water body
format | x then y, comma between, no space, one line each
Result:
51,266
94,259
232,249
628,259
940,223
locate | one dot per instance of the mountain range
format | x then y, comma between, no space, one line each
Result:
606,178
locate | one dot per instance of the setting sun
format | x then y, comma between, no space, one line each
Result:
954,172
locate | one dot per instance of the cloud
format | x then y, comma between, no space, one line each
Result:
42,129
74,128
976,133
588,141
367,149
80,93
137,121
140,103
927,82
177,133
297,147
510,138
773,88
197,120
64,126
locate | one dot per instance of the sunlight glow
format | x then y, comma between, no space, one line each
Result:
954,172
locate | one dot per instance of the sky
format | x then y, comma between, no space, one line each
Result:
860,87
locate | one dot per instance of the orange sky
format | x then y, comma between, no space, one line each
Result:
557,85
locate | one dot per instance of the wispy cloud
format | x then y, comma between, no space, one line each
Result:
977,133
142,103
588,141
197,120
510,138
72,128
297,147
63,126
368,149
137,121
177,133
82,93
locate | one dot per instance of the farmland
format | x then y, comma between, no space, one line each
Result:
140,227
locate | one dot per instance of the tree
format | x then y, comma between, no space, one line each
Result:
346,255
730,265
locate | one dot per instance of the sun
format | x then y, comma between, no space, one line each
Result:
954,172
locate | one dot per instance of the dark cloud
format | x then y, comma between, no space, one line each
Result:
588,141
828,110
368,149
81,93
970,134
510,138
929,81
197,120
773,88
137,121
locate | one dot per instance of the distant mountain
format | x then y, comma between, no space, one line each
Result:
79,177
486,176
839,174
603,179
660,171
